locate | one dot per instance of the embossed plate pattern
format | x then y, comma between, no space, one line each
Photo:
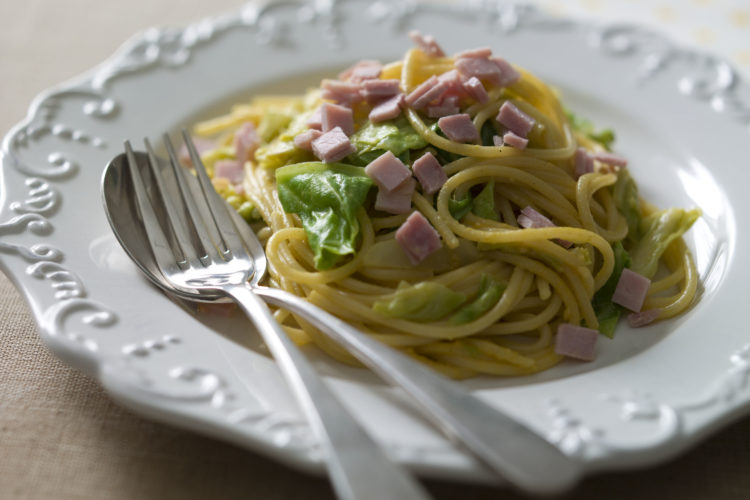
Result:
682,118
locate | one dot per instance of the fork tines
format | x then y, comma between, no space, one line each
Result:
187,224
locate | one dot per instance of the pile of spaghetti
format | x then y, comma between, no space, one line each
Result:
451,208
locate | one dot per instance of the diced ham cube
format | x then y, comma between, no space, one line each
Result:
387,110
516,120
432,95
397,201
332,146
508,74
459,128
365,70
610,159
333,115
531,219
576,341
341,92
518,142
380,88
246,141
483,69
497,141
365,73
304,140
584,163
448,106
231,170
362,70
339,86
420,90
417,237
643,318
427,44
429,173
387,171
476,90
454,83
316,120
631,290
478,53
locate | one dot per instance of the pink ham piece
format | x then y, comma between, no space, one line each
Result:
429,173
508,74
459,128
341,92
610,159
387,171
231,170
631,290
201,146
643,318
332,146
497,140
479,52
333,115
374,89
397,201
420,90
246,141
481,68
516,120
448,106
531,219
432,95
362,71
584,163
387,110
476,90
304,140
453,82
427,44
576,341
316,120
418,238
518,142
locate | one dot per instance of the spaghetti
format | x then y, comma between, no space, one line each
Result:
491,298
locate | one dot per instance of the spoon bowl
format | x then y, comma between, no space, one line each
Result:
127,224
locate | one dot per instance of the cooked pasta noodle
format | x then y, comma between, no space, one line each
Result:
544,276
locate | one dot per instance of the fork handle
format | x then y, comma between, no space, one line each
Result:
357,466
521,456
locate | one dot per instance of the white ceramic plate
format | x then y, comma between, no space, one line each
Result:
681,117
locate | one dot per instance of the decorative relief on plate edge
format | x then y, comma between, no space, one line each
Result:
45,263
705,77
715,82
578,439
213,392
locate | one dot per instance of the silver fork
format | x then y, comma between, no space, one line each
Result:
500,442
204,252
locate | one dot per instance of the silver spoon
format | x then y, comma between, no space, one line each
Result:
523,458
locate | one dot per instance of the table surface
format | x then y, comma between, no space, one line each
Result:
62,437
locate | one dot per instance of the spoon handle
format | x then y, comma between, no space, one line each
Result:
358,468
521,456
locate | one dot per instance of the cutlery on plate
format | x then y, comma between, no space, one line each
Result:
519,455
203,251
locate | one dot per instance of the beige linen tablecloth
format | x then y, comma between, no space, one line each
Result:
62,437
